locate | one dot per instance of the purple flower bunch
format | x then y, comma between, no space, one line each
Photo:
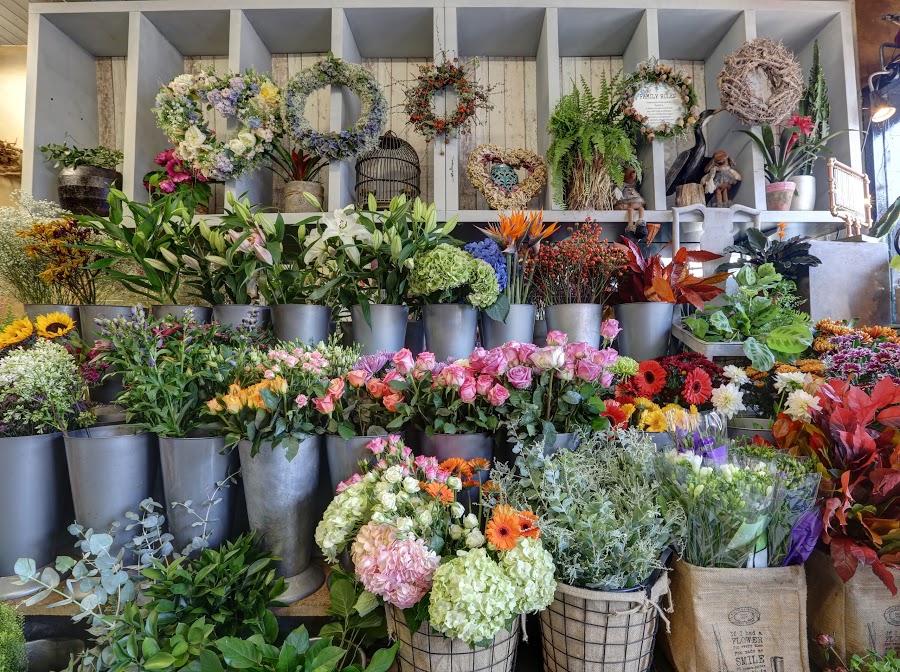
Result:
862,364
487,250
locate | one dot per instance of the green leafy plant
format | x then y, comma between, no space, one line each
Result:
12,640
789,257
358,621
292,165
787,154
870,662
762,314
586,127
73,157
814,104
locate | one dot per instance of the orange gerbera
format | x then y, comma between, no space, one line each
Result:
439,491
503,530
490,486
528,525
480,464
458,467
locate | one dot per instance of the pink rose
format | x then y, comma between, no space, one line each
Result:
588,371
557,337
377,388
605,358
519,377
425,361
377,445
356,378
606,380
336,388
498,395
394,438
483,384
403,361
324,405
476,359
549,358
525,350
393,374
577,350
494,362
301,400
356,478
610,329
467,390
511,353
453,375
390,401
567,372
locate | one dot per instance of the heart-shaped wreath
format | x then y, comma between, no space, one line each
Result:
484,158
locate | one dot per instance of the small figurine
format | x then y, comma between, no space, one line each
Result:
720,177
628,198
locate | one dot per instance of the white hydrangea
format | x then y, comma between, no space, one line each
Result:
343,516
530,568
471,598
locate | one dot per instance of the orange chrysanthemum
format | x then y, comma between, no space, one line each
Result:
439,491
503,530
458,467
480,464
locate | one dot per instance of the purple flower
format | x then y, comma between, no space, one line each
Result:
487,250
373,364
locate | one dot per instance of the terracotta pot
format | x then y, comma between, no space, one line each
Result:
295,201
780,195
83,190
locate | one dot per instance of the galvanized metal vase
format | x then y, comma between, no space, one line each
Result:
32,310
34,498
191,470
466,446
564,441
387,331
415,337
303,322
450,330
344,456
646,329
202,314
579,321
112,470
232,315
280,500
746,427
519,326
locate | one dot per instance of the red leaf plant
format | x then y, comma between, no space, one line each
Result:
855,437
646,279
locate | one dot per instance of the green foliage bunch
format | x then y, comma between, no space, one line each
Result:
73,157
12,640
789,257
448,274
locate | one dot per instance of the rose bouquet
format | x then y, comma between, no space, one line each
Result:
414,546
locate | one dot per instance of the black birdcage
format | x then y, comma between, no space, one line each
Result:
389,170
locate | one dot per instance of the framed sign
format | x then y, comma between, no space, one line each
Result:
659,102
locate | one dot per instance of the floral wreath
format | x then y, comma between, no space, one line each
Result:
364,134
484,157
433,77
652,72
251,98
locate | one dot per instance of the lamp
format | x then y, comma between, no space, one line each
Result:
880,107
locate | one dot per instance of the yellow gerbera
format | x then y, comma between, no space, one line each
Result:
654,421
53,325
16,333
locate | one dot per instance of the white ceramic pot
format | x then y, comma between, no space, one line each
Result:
805,195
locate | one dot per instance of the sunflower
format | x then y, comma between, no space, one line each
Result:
17,332
697,387
53,325
458,467
503,529
650,379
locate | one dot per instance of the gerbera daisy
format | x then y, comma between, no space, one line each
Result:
650,378
17,332
490,486
528,525
503,530
697,387
654,421
439,491
470,483
458,467
480,464
53,325
614,413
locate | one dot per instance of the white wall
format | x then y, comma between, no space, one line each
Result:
12,108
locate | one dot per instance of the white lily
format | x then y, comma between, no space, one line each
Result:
343,225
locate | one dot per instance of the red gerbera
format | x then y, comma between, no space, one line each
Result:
614,413
697,387
650,379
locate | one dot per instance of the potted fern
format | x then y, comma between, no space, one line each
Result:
590,147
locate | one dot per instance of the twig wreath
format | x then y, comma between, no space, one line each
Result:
738,82
434,77
484,157
250,97
362,136
659,101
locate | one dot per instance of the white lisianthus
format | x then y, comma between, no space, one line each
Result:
475,539
388,501
425,518
457,510
456,532
470,521
736,375
248,139
728,400
194,137
410,485
800,405
790,381
236,146
530,568
393,475
454,483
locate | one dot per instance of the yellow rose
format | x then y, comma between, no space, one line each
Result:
269,93
232,404
278,385
214,406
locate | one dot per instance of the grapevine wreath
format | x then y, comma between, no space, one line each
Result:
362,136
251,98
654,73
434,77
480,167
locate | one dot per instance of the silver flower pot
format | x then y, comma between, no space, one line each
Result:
280,501
540,333
202,314
344,456
450,330
191,470
387,332
232,315
646,328
90,332
34,499
579,321
32,310
519,326
566,441
112,470
303,322
415,337
466,446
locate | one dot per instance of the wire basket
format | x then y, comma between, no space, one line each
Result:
389,170
600,631
429,651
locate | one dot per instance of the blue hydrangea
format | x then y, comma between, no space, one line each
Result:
490,252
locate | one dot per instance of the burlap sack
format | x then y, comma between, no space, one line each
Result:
598,631
861,614
429,651
738,620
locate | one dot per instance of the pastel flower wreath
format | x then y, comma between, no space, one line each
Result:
362,136
652,72
251,98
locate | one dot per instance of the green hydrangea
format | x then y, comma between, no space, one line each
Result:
472,598
448,274
624,366
530,568
483,283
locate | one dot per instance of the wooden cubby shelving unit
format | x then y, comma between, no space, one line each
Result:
544,44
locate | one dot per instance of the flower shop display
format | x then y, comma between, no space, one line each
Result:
470,98
339,145
572,279
492,171
192,185
762,314
590,146
454,285
659,101
608,536
814,104
510,247
858,354
648,292
299,170
791,258
85,177
454,584
250,99
43,395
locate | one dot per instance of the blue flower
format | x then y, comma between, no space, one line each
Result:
490,252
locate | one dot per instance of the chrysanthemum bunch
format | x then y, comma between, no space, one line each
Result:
413,544
787,387
861,355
